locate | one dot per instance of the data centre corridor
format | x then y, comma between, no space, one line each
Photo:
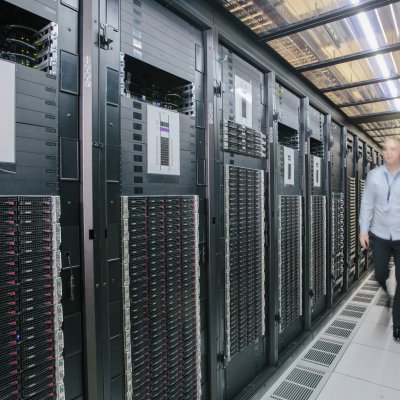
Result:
180,189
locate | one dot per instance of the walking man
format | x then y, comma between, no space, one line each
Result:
380,221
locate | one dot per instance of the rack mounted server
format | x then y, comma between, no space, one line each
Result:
31,336
161,297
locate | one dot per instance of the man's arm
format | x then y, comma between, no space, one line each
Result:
366,212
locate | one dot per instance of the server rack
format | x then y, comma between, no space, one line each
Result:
37,62
161,297
287,180
316,208
337,209
369,164
351,209
375,158
240,181
162,181
360,184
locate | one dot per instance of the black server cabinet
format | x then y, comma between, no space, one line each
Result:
163,216
240,169
337,208
287,182
369,165
361,164
375,157
351,209
316,156
39,201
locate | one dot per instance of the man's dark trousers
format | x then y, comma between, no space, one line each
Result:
382,250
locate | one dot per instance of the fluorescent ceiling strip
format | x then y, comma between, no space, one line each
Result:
394,19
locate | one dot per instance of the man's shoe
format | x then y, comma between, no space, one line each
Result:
396,333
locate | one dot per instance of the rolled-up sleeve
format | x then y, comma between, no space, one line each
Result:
367,205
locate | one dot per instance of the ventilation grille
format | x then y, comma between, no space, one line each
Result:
363,297
290,255
292,391
318,247
244,258
351,216
373,287
337,235
341,328
382,300
305,376
323,352
353,311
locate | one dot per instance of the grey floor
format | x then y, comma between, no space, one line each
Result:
354,356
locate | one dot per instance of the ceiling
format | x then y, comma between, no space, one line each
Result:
348,49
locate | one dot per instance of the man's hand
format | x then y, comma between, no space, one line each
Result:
364,240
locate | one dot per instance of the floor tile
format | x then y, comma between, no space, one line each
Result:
342,387
377,335
371,365
380,315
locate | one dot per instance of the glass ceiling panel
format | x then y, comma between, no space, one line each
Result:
392,124
372,108
364,31
367,92
263,15
381,66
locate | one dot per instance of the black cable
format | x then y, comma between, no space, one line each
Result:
7,171
21,42
24,27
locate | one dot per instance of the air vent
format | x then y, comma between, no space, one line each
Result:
352,314
339,332
371,287
365,295
291,391
323,352
305,376
319,357
329,347
354,307
353,311
344,324
382,300
361,299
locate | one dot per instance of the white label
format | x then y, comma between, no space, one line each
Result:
243,102
288,155
137,43
87,72
163,141
317,171
137,54
7,112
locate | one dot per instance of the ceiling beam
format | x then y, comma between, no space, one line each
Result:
322,19
382,129
367,119
383,136
350,57
358,84
369,101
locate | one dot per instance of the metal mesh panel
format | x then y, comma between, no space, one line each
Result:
31,355
337,235
244,255
161,297
318,247
290,259
351,217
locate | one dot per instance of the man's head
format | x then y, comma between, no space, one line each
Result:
391,152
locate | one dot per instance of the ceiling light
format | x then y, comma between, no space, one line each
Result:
394,19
